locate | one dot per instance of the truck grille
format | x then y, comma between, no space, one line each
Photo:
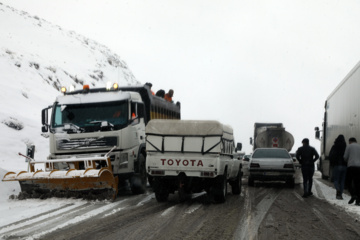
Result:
86,143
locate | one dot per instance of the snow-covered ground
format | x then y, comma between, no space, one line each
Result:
18,210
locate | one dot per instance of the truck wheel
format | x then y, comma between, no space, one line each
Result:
220,189
250,181
236,185
138,180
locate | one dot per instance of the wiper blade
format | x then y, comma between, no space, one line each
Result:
104,125
70,127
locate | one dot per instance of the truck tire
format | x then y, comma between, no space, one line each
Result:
250,181
236,184
139,180
220,188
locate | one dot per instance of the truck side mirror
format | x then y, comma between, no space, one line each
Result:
238,146
44,116
44,120
317,133
251,141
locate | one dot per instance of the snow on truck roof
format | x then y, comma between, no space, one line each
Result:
188,127
96,97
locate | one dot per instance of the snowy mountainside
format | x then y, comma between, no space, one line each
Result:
36,59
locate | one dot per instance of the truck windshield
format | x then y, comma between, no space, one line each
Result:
89,116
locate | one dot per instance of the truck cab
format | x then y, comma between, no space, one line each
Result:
90,122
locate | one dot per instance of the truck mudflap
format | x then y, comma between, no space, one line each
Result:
88,183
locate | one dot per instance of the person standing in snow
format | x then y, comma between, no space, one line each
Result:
352,157
169,95
338,164
307,155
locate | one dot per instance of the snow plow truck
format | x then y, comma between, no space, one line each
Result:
97,143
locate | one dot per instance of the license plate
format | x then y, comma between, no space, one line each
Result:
270,173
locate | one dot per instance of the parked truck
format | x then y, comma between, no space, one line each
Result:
190,156
269,135
341,116
97,142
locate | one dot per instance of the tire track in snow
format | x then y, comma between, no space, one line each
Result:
327,223
94,211
36,216
30,222
253,215
167,211
193,208
46,223
189,210
146,199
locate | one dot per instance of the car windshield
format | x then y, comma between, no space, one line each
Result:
90,116
270,153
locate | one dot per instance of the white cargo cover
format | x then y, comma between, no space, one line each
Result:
188,136
98,97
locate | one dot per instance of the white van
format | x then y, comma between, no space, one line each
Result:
190,156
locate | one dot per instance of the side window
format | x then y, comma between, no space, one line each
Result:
141,110
134,117
58,116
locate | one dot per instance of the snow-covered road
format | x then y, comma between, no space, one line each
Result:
35,218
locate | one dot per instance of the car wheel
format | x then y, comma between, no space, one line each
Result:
236,185
220,189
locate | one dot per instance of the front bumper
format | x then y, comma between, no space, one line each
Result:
271,174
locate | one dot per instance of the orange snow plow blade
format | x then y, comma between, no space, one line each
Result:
88,183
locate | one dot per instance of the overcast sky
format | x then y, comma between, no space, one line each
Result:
238,62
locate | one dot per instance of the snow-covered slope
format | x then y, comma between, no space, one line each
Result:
36,59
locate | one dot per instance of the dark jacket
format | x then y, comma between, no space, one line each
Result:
307,155
336,155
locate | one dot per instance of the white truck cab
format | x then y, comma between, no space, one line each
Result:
190,156
89,122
